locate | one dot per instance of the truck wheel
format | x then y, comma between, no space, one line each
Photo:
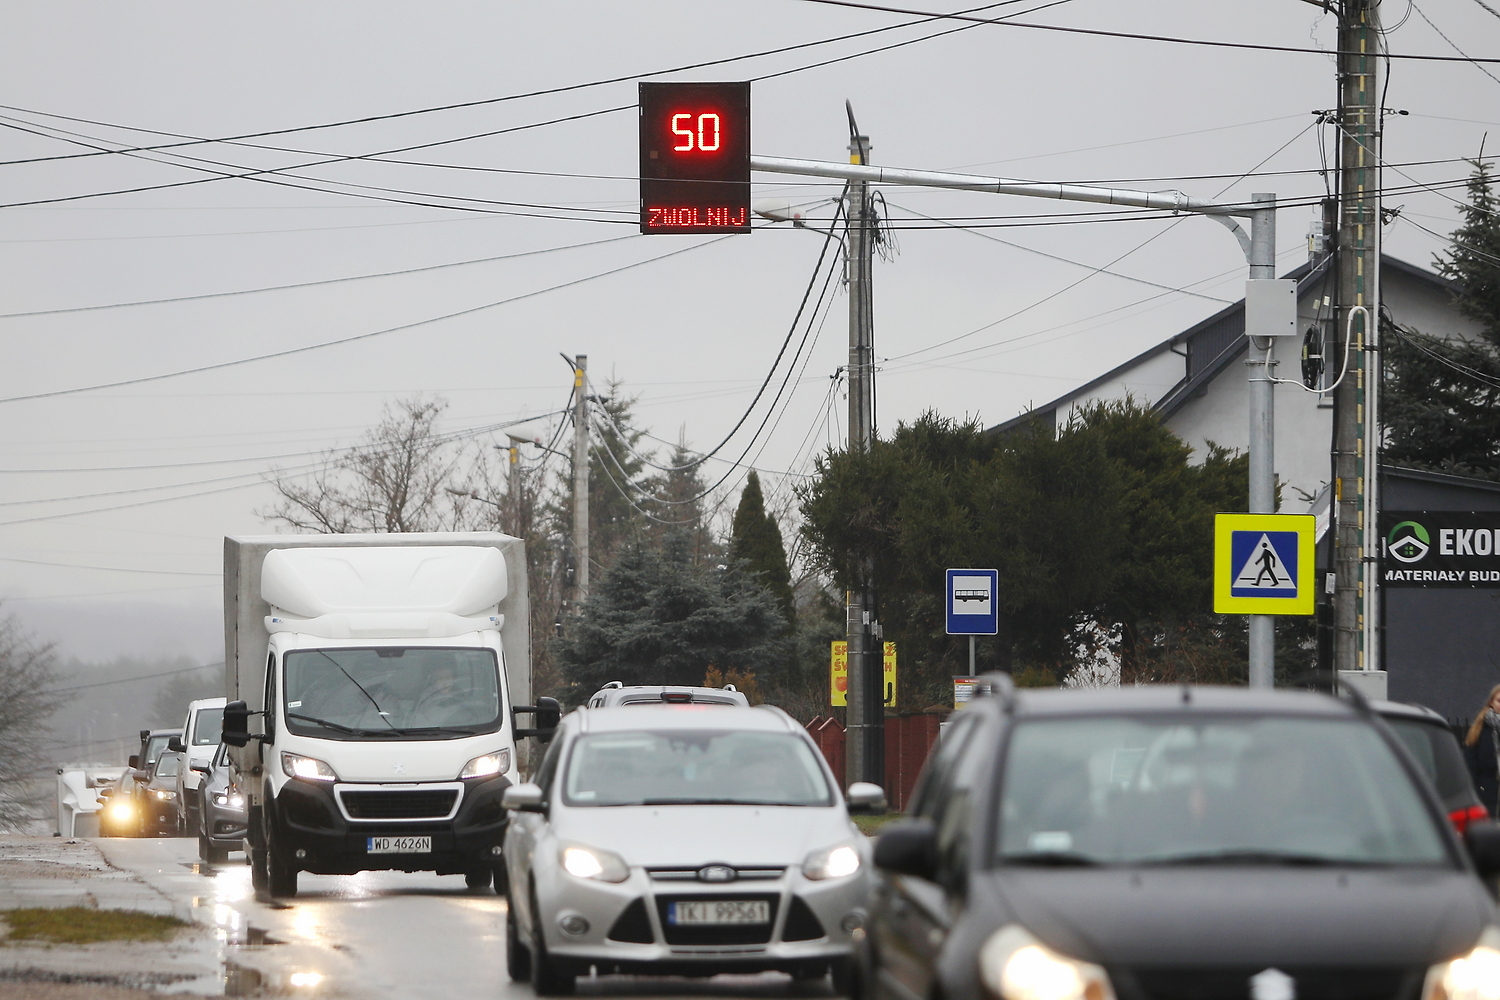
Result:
478,878
260,878
517,955
281,877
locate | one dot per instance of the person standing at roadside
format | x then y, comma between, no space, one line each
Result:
1483,746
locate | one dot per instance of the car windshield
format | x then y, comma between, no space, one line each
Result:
208,726
694,768
166,767
392,692
1437,754
1177,789
155,746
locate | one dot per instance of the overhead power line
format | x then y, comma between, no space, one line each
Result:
361,336
131,680
1138,36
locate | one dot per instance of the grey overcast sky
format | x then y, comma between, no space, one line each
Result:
125,560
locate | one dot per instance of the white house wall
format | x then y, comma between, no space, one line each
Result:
1147,381
1303,432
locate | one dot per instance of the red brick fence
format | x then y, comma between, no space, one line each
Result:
908,739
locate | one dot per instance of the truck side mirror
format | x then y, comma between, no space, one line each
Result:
133,762
175,745
546,715
236,724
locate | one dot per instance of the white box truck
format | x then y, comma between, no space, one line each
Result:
373,683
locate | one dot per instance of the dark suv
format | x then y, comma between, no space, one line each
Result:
1437,753
1153,843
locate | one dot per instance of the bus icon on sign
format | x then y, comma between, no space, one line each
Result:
972,608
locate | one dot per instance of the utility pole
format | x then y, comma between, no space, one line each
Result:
513,485
1356,470
1261,400
580,480
865,746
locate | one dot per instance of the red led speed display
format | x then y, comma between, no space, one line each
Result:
695,158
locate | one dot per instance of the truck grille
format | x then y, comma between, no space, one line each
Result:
405,804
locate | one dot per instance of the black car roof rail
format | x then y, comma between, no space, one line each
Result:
998,685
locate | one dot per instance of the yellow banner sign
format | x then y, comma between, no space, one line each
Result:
838,674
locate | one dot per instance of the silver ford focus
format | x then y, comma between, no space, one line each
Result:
683,840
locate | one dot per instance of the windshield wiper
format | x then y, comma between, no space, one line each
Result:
1252,857
378,710
335,726
438,729
1050,859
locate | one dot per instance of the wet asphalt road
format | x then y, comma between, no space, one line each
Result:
376,934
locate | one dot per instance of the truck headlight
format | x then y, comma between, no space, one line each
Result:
831,862
297,766
1014,965
487,766
1471,976
591,862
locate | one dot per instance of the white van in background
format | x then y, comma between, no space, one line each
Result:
201,732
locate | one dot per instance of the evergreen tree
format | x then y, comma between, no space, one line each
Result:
756,539
656,618
1442,394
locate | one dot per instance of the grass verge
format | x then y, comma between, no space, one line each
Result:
871,825
81,925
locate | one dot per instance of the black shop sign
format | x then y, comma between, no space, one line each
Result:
1439,548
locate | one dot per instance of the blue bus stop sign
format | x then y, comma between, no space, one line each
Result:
973,601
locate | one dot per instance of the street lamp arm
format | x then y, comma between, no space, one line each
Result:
1171,201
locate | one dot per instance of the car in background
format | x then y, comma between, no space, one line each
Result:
126,813
617,693
159,813
201,730
1163,842
222,823
1426,736
669,840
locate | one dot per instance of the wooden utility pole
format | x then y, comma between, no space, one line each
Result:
1356,400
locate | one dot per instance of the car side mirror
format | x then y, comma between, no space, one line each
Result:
865,797
908,847
175,745
133,762
201,768
525,797
236,724
546,714
1483,842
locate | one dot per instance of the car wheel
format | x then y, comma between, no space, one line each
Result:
547,978
517,955
205,849
218,854
478,878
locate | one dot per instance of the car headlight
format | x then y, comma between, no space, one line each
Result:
487,766
297,766
229,800
1471,976
831,862
120,811
1014,965
590,862
164,796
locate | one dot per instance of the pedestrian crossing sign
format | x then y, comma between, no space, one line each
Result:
1263,564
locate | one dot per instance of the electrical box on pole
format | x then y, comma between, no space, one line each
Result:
695,157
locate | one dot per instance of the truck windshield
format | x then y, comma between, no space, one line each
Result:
1174,789
208,727
392,692
678,767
